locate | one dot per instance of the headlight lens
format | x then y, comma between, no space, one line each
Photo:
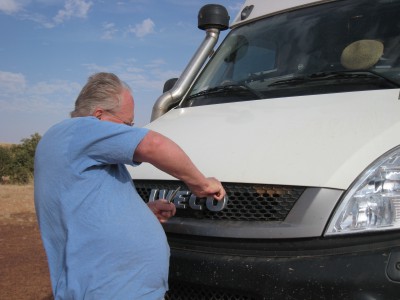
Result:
373,201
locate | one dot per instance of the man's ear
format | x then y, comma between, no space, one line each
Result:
98,112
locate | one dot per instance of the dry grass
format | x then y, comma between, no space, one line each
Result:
16,200
6,144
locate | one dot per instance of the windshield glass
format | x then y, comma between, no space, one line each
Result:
335,47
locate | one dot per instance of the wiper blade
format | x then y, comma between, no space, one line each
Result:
227,88
321,76
379,75
293,80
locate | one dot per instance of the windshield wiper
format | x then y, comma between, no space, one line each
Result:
231,88
321,76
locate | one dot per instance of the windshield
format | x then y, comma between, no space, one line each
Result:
336,47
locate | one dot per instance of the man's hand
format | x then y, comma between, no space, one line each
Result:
162,209
211,188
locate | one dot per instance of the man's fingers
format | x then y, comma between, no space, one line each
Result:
220,194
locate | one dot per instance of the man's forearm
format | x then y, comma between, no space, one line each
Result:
167,156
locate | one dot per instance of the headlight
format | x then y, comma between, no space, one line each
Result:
373,201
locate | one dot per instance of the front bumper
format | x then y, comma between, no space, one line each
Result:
366,267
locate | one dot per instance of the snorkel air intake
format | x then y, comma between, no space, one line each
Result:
212,18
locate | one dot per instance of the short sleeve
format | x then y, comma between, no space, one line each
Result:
96,143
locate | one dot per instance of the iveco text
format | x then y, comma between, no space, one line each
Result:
185,199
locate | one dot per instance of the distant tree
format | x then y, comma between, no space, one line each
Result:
19,160
5,159
29,147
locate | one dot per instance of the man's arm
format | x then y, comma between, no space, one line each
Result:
167,156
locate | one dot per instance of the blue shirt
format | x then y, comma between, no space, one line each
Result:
101,239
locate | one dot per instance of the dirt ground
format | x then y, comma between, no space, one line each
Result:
23,267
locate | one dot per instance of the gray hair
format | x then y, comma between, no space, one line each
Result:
101,90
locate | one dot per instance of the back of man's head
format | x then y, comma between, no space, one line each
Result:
101,90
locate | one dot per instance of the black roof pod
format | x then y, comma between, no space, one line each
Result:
213,16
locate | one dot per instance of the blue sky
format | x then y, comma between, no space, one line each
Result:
49,48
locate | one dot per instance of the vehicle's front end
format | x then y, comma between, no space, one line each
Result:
303,130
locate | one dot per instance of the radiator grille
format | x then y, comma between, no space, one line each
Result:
247,202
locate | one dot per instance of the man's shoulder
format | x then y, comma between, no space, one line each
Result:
70,124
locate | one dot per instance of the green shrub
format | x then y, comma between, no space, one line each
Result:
17,161
5,158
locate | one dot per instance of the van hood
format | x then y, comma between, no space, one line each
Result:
320,141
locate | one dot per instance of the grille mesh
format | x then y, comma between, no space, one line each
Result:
180,291
247,202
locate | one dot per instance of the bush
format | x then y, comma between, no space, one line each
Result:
17,161
5,158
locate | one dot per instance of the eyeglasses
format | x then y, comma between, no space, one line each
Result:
115,116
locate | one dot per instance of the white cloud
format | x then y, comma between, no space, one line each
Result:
109,31
94,68
235,6
156,63
35,107
143,29
50,2
54,87
12,82
139,76
10,6
37,18
17,94
73,8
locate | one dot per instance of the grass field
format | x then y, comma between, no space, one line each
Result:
15,199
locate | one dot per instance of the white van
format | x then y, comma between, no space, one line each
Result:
298,114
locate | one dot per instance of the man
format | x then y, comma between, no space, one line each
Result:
102,241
